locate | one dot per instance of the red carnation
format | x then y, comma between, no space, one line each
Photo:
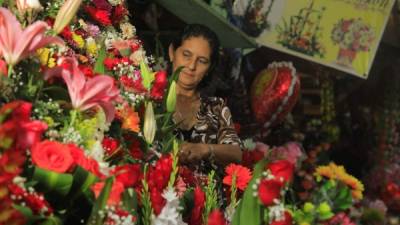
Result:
269,190
199,200
243,176
282,170
99,15
286,221
110,63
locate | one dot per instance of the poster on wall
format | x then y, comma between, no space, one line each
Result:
343,34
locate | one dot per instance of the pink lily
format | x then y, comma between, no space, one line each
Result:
15,43
87,93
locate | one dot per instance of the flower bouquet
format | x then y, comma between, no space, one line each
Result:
351,35
84,118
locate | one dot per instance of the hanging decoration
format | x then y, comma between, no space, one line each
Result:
274,92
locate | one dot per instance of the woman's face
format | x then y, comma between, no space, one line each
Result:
194,55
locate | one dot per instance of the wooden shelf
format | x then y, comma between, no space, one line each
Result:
197,11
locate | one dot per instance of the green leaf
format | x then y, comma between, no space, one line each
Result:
83,179
95,218
99,65
26,211
147,75
129,200
249,208
51,181
343,199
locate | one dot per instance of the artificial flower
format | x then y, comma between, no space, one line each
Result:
115,192
282,170
52,155
269,191
15,43
87,93
242,176
65,14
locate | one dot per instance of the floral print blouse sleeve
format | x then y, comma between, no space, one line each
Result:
215,125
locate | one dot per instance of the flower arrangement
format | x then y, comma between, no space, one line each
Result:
352,34
86,132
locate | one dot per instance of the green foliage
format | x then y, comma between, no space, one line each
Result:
248,211
96,218
53,182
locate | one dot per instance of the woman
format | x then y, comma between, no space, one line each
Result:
204,123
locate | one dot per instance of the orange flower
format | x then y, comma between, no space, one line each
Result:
130,119
242,176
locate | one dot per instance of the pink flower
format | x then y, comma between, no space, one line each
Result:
87,93
15,43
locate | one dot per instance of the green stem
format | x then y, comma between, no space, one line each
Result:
10,70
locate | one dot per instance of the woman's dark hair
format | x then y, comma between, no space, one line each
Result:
198,30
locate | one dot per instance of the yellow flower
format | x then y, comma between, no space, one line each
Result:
335,172
308,207
91,47
45,58
78,40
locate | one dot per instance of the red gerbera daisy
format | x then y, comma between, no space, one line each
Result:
243,176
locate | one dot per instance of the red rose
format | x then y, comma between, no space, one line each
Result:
216,217
129,175
199,203
269,190
31,133
22,112
80,159
115,192
282,170
287,220
52,155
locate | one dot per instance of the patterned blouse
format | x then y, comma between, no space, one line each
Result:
214,126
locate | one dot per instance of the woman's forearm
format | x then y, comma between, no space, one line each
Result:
224,154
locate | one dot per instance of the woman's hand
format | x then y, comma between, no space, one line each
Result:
193,153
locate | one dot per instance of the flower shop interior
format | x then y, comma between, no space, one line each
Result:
87,134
